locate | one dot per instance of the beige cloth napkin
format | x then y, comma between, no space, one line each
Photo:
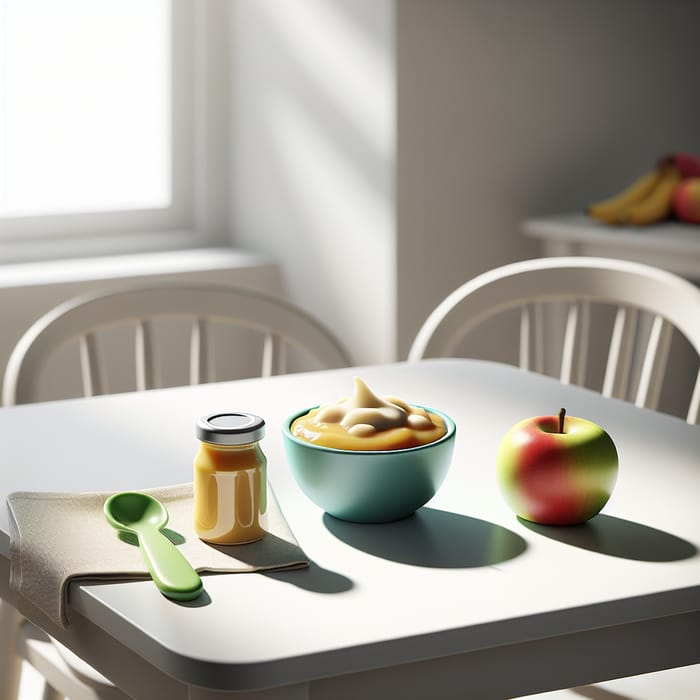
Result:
57,537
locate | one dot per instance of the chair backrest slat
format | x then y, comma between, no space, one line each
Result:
92,371
574,349
538,336
569,344
525,326
146,360
268,355
694,408
201,361
654,364
274,355
531,337
584,339
617,370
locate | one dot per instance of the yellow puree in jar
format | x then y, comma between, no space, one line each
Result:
368,422
223,473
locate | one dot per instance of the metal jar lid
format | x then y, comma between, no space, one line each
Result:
224,428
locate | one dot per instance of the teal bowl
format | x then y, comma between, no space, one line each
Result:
370,486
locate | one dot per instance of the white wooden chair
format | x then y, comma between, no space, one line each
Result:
281,326
635,290
578,283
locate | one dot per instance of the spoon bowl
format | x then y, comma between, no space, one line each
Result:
125,509
145,516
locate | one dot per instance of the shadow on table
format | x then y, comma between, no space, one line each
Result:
273,549
200,602
434,538
269,551
130,538
619,538
313,578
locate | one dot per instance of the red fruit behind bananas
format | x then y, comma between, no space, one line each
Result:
686,200
688,165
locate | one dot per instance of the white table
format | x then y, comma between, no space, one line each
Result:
460,600
671,245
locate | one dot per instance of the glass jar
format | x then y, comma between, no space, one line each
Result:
230,478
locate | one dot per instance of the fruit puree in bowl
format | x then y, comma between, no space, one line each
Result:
365,421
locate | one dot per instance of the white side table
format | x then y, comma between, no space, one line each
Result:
671,245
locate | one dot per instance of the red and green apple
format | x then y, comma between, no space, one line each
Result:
557,470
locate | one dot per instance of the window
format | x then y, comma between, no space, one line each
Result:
85,120
98,124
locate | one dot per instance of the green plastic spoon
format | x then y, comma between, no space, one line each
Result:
144,516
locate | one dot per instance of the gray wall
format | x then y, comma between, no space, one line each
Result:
508,110
384,152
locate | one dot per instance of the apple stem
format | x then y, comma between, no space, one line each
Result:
562,413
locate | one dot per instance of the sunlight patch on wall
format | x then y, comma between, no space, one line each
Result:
331,188
342,60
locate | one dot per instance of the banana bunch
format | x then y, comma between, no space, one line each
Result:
647,200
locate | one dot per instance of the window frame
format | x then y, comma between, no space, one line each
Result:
197,214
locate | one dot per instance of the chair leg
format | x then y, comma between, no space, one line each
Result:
10,661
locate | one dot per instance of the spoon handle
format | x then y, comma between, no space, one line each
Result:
171,572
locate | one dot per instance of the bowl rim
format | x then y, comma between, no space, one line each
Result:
449,434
